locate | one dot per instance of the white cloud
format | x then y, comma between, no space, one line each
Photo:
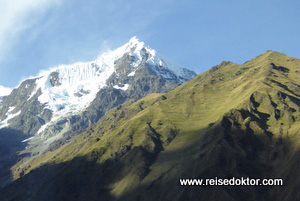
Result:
16,17
4,91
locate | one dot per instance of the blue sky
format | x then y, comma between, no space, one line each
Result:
198,34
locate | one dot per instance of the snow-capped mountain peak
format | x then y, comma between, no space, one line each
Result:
67,89
135,42
69,98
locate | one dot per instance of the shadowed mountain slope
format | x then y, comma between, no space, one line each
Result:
231,121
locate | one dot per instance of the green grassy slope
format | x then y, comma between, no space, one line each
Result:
234,120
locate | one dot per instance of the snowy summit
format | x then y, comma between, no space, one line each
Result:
67,90
79,83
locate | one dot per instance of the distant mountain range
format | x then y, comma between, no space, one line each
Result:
231,121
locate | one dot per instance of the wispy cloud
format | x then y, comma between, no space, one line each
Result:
4,91
16,17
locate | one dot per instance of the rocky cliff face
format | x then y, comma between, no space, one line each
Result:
57,104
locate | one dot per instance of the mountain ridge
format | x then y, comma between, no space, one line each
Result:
232,121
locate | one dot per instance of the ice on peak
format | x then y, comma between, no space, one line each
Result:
134,41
